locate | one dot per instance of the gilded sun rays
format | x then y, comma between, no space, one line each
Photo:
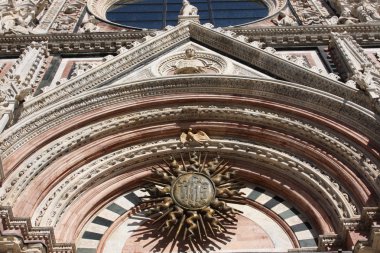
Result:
188,198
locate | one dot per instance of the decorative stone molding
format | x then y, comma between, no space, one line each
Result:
31,234
252,55
225,42
26,129
40,161
123,160
110,69
110,42
48,19
24,76
21,80
317,35
354,61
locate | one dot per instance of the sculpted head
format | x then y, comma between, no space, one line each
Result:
190,53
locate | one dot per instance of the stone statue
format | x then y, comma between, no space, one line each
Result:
188,9
90,25
365,12
346,18
284,20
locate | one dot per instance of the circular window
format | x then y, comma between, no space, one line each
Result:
156,14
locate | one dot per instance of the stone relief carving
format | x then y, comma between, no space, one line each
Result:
81,67
284,19
113,67
20,16
356,11
192,62
21,80
68,16
90,25
312,12
359,66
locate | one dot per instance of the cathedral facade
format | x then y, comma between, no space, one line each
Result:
202,126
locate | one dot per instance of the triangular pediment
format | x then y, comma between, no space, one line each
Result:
205,61
247,57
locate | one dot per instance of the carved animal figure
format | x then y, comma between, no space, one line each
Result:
199,137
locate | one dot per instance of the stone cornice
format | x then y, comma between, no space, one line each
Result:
365,34
69,43
109,42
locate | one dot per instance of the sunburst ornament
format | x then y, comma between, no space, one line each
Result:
189,198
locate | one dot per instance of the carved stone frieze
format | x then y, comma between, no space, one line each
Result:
68,16
109,42
20,16
312,12
356,11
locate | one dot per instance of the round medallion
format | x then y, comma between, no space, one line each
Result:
193,191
